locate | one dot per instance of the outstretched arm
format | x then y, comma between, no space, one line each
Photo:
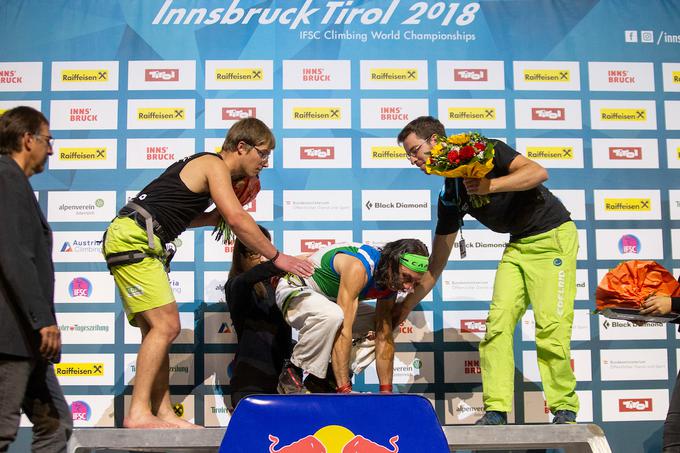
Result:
384,343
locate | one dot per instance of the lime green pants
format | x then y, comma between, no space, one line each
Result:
540,270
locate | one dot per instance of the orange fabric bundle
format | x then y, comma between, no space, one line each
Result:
630,283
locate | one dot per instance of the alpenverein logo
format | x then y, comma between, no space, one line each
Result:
547,75
628,204
85,75
239,74
623,114
472,113
79,369
317,113
470,75
387,153
550,152
394,74
84,154
161,113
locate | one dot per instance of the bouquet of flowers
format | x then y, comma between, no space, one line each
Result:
246,190
467,155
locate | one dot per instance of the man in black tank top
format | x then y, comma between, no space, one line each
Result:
135,250
538,267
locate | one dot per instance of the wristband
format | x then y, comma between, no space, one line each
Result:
273,258
385,388
346,388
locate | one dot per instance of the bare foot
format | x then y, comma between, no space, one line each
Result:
178,422
146,422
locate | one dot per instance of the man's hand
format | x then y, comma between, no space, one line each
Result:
656,305
477,186
302,268
50,342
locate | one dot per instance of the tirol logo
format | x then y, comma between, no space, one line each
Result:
250,207
635,405
547,113
237,113
80,287
393,113
333,438
317,152
80,411
625,153
85,75
470,75
629,244
473,325
313,245
161,75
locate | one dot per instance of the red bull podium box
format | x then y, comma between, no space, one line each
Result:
355,423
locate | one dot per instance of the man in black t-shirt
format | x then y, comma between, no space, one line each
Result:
538,267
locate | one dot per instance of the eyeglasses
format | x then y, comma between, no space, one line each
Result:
48,139
263,153
413,152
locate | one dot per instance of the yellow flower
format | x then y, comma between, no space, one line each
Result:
436,150
458,139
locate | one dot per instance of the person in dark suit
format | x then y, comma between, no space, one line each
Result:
29,336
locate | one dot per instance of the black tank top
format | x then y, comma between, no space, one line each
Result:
170,201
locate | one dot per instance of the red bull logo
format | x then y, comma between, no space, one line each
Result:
333,439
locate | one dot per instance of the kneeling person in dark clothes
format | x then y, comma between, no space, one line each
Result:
264,338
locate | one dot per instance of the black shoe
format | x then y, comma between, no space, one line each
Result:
493,418
564,416
318,385
290,380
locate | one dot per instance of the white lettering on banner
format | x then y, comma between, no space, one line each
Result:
330,152
547,75
620,76
316,74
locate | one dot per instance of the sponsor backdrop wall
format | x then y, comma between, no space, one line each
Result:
589,89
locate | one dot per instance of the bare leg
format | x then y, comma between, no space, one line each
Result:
160,326
161,405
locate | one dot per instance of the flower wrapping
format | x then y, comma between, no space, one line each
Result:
630,283
466,155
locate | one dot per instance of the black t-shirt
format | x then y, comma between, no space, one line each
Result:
170,201
521,214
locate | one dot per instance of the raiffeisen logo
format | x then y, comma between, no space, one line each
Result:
239,74
85,75
394,74
317,113
625,153
79,369
388,153
547,75
470,75
472,113
80,287
315,75
161,114
313,245
473,325
317,152
676,76
393,113
161,75
82,154
628,204
629,244
623,114
635,405
550,152
80,411
237,113
547,113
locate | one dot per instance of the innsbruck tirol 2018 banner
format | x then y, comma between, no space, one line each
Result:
588,89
